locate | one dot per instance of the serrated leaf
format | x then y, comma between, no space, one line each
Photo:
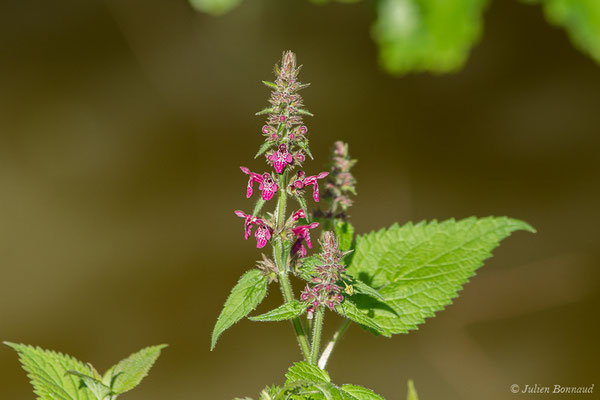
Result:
353,392
284,312
581,19
99,389
307,267
263,148
344,231
426,35
349,310
250,290
303,371
419,269
48,373
214,7
362,288
129,372
412,392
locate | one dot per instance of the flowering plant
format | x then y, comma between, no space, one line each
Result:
387,281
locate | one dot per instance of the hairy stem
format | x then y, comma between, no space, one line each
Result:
281,261
316,338
281,203
286,289
331,344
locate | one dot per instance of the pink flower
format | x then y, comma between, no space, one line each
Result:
303,180
262,234
267,186
302,233
298,214
281,158
263,231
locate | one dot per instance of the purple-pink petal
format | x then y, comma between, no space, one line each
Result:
268,187
262,235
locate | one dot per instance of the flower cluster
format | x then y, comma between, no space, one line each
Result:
285,146
284,128
323,288
341,183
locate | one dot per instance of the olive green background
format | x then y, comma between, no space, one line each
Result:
122,126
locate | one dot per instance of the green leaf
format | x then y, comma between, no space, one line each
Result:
99,389
426,35
419,269
349,310
304,146
303,371
283,312
270,85
305,112
362,288
412,393
258,206
265,146
215,7
344,231
268,110
250,290
303,206
581,19
48,373
307,266
353,392
129,372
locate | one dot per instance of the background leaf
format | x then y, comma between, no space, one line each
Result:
129,372
344,231
419,269
250,290
426,35
412,392
353,392
98,389
581,19
48,373
303,371
283,312
215,7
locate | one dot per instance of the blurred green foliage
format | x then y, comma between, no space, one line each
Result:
437,35
426,35
581,19
215,7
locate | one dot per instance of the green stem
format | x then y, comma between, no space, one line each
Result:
316,338
286,289
331,345
281,261
282,201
